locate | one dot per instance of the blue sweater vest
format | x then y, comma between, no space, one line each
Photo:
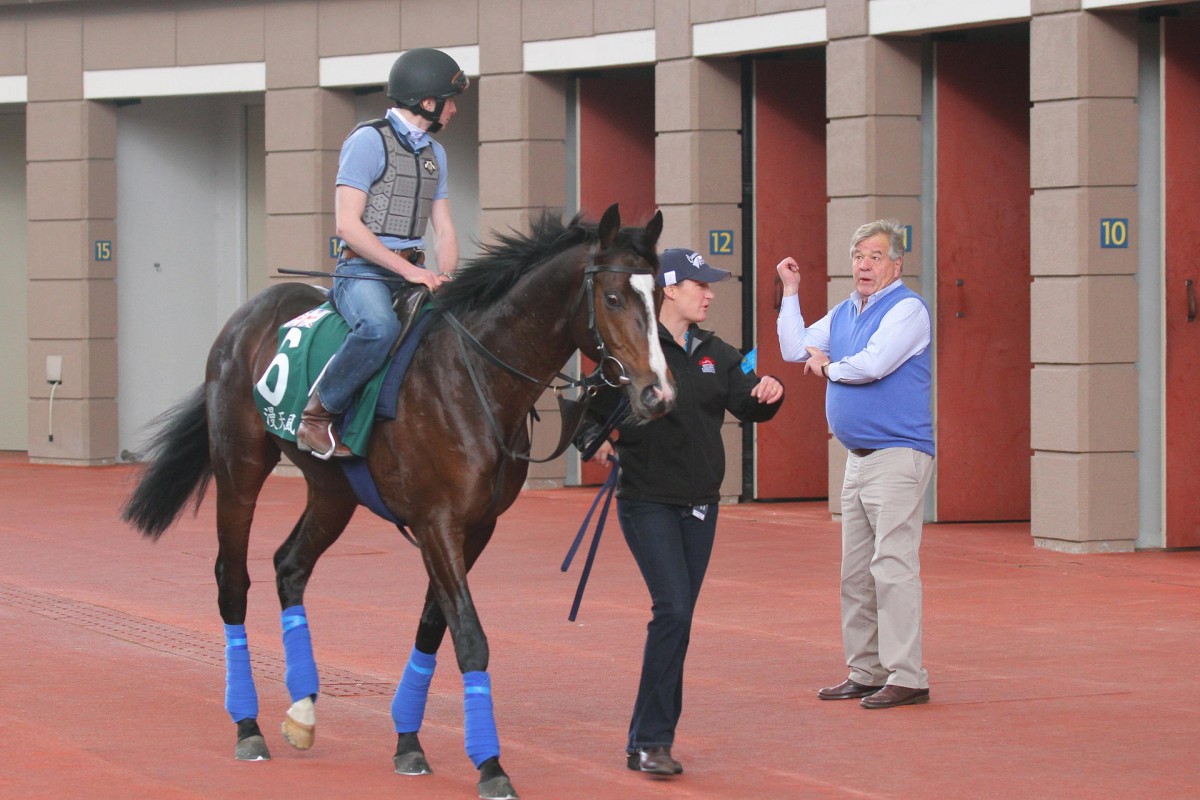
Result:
892,412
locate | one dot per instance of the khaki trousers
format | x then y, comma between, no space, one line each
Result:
883,506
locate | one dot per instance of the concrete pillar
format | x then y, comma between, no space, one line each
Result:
305,127
698,174
522,166
1083,425
873,100
522,127
72,251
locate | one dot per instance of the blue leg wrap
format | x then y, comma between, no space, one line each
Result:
479,722
301,673
408,706
241,699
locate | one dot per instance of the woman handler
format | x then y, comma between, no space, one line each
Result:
670,486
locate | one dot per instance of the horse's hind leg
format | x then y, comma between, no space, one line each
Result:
324,519
237,493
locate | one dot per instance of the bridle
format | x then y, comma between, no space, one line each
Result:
609,370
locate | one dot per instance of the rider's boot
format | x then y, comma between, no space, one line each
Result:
316,434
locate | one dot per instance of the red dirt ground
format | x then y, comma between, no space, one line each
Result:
1052,676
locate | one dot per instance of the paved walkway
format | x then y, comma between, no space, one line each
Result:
1053,676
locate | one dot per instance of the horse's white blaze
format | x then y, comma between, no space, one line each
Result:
644,285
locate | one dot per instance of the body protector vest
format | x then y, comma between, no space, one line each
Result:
399,203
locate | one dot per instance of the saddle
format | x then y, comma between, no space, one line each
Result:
306,344
406,302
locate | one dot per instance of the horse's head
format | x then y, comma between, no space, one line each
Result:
622,329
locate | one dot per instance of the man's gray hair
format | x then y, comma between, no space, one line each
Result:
889,227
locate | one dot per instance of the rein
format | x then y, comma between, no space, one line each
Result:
572,411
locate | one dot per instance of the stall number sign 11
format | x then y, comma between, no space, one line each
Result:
1114,232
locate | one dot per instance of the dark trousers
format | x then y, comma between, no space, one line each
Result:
672,548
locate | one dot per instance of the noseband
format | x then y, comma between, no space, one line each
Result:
572,410
600,374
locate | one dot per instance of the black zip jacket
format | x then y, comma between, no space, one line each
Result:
679,459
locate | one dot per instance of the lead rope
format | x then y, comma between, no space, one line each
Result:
606,492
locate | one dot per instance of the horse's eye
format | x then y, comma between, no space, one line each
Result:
612,299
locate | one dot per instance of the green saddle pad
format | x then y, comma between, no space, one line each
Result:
306,344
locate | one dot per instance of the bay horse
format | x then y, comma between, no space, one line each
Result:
450,463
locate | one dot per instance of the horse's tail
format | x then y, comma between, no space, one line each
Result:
177,467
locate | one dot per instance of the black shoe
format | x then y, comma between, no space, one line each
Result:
654,760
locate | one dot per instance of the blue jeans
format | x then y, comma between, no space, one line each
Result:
672,548
366,305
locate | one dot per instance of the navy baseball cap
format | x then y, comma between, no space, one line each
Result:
680,264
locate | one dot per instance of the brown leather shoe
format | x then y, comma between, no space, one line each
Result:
847,690
892,696
316,435
655,760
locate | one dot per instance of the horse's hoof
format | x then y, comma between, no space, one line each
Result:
412,763
298,735
252,748
497,788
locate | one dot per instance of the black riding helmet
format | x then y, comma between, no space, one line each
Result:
425,72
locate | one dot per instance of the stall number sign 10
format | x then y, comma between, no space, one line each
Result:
1114,232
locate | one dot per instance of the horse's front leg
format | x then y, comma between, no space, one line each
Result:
323,521
408,705
446,565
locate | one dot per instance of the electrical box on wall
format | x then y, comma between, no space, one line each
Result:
53,369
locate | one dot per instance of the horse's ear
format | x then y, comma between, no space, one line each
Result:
610,224
653,231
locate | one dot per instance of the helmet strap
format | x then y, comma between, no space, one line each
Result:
434,116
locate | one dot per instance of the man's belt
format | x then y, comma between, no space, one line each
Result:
413,255
862,451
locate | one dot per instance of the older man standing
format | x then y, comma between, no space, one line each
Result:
873,351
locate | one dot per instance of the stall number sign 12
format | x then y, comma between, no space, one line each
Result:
720,243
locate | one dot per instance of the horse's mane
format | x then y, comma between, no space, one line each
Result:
485,279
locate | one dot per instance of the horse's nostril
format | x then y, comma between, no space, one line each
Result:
651,397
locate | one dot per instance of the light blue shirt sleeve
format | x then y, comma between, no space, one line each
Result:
361,160
903,332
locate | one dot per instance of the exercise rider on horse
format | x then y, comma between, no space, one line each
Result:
391,182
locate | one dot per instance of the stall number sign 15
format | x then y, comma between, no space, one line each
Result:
1114,232
103,250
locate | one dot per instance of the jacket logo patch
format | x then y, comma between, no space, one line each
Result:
430,166
708,365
